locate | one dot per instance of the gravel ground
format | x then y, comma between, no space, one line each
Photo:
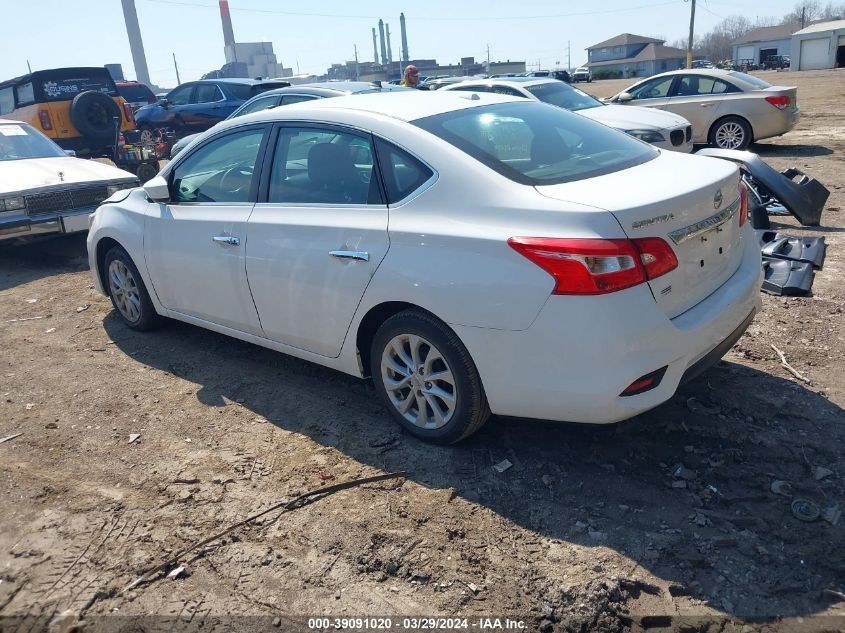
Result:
679,519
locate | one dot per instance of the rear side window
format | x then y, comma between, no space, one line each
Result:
26,94
7,100
240,91
289,99
403,174
537,144
695,85
219,171
208,93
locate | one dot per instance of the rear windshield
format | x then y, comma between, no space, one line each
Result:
754,81
537,144
64,86
19,141
563,96
136,93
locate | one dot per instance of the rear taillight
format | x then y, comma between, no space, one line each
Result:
743,203
130,114
779,101
44,117
596,266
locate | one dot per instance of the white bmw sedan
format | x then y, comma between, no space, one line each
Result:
471,253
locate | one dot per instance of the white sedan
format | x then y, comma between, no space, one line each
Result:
471,253
662,129
43,189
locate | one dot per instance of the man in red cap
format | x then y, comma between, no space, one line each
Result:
412,76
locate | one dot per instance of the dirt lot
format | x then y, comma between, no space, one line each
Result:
673,520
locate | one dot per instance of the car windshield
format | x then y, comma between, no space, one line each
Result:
536,144
563,96
754,81
19,141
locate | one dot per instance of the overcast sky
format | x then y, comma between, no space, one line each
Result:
310,36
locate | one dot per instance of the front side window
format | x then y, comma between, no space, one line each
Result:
265,103
537,144
181,95
323,166
403,174
219,171
654,89
208,93
563,96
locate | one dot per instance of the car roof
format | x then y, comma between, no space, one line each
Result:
332,88
713,72
516,82
235,80
409,105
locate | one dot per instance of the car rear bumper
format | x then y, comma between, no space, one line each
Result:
776,123
22,225
581,353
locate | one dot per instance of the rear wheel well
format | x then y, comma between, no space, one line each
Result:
730,116
103,247
371,323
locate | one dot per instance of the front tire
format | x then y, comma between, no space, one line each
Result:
732,132
127,291
427,379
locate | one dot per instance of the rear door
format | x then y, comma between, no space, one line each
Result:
208,106
700,100
316,236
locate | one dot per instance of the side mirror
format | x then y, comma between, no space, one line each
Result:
157,190
624,97
70,152
163,102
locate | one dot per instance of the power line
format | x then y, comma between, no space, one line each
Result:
475,18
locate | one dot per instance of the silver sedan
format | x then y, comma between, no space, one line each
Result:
727,109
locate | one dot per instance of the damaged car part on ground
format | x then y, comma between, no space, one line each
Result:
629,289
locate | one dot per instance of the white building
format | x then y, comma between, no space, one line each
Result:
818,46
259,59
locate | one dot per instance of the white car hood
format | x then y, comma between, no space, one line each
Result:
33,173
634,117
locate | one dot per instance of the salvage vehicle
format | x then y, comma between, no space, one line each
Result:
662,129
45,190
75,107
197,105
135,93
582,73
472,253
295,94
727,109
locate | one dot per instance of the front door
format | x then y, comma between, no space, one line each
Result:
316,240
194,244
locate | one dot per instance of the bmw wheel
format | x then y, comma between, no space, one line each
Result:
127,292
427,379
730,133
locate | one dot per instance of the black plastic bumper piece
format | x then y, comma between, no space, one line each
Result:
802,249
804,198
715,355
786,277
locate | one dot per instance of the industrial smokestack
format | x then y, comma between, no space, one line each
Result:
136,44
381,37
226,18
404,33
375,47
389,52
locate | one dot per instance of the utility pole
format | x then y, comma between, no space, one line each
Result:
803,16
357,72
488,59
568,56
691,33
176,66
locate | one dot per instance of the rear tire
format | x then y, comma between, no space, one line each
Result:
427,379
127,291
731,132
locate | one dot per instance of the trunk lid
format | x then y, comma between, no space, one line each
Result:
788,91
691,202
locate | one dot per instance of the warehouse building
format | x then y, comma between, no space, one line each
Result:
820,45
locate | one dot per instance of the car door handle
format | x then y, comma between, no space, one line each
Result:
226,240
359,255
706,105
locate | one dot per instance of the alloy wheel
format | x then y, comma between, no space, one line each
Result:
418,381
730,135
124,290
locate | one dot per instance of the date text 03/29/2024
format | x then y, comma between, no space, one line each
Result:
415,624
